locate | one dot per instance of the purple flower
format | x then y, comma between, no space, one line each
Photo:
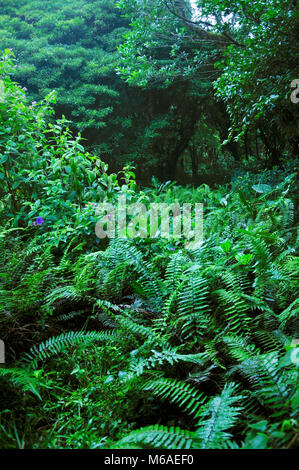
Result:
39,221
173,249
34,103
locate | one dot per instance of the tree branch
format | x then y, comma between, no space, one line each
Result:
196,27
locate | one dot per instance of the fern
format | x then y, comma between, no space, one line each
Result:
217,417
69,293
156,436
193,308
289,314
175,268
272,385
239,348
144,331
21,378
59,344
71,315
184,395
234,303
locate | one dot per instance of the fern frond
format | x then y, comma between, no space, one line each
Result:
71,315
217,416
235,309
176,266
269,341
289,314
68,293
180,393
193,308
239,348
58,344
158,437
21,378
144,331
272,385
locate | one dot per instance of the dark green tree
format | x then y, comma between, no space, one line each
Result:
70,47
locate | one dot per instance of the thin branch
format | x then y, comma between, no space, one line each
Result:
195,26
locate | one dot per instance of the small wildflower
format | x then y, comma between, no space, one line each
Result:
39,221
34,103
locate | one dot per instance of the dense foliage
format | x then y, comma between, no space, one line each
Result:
58,49
254,45
77,57
203,96
141,342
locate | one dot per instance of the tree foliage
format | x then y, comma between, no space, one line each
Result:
246,50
